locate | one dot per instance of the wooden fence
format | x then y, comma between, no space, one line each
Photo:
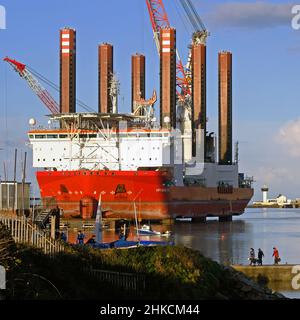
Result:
127,281
23,231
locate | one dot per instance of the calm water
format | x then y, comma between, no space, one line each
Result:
230,242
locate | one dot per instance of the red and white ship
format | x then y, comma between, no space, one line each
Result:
128,160
129,166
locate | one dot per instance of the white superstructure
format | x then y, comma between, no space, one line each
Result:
129,149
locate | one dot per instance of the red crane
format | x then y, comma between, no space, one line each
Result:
159,19
33,83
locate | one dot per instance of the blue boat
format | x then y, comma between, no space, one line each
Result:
124,244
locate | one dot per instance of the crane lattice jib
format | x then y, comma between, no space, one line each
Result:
158,15
33,83
159,19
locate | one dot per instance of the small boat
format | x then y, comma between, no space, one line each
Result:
146,230
124,244
166,234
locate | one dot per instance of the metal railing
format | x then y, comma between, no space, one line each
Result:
127,281
24,231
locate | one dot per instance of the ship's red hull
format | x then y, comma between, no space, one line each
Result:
120,190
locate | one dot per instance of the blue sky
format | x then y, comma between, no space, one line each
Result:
266,54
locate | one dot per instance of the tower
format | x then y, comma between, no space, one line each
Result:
265,190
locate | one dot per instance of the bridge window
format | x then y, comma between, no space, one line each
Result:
52,136
143,135
156,135
123,135
40,136
63,136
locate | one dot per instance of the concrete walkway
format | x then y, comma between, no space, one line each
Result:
275,276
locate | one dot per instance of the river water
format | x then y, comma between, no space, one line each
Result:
230,242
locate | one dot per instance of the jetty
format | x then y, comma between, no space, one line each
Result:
285,277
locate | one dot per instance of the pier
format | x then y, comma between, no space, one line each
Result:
276,277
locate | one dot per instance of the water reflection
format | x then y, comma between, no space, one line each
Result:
229,242
220,241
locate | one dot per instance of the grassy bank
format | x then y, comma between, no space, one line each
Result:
170,272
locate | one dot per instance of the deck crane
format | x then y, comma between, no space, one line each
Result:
33,83
200,32
159,19
32,77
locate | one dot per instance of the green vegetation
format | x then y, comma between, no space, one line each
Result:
170,273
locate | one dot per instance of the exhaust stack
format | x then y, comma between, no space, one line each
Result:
105,54
168,78
225,108
67,70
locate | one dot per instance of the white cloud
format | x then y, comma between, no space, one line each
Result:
289,137
258,14
271,156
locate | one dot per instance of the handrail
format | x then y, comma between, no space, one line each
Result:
23,231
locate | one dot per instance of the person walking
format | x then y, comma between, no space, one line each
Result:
252,257
80,237
260,256
276,255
